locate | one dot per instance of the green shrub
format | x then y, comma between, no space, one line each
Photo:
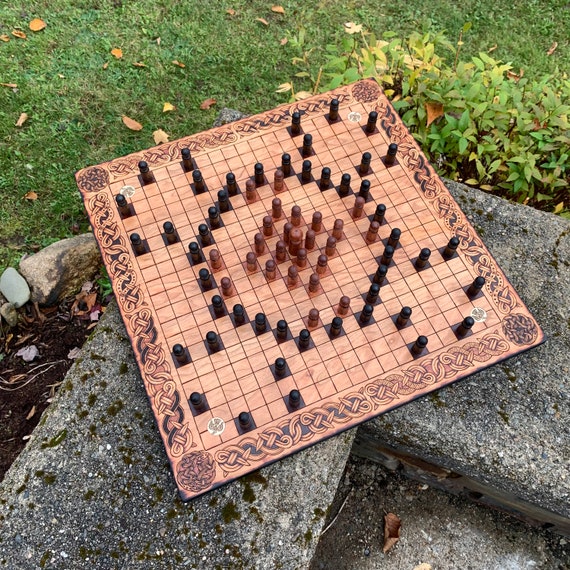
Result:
478,121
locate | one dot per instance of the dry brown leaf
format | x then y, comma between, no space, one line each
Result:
31,196
231,12
159,136
84,303
552,48
106,65
31,412
19,34
139,64
4,38
12,85
117,52
492,48
36,25
205,105
278,9
434,111
179,63
515,76
263,21
168,107
131,123
22,119
283,41
391,531
352,28
300,95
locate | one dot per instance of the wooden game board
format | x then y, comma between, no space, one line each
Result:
368,368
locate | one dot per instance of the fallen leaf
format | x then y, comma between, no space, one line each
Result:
179,63
278,9
87,287
106,65
423,566
263,21
490,50
352,28
28,353
139,64
19,34
117,52
36,25
552,48
4,38
31,196
159,136
515,76
284,87
205,105
302,95
31,412
22,119
94,315
168,107
131,123
158,41
434,111
283,41
231,12
391,531
13,85
84,303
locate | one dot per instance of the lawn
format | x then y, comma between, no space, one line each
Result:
75,91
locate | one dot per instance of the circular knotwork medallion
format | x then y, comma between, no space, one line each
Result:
196,471
93,179
520,329
366,92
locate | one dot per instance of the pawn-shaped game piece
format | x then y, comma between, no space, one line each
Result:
259,176
138,244
250,190
187,162
330,247
214,217
276,208
260,323
450,248
259,243
373,294
286,164
295,241
294,399
419,346
280,251
267,226
270,269
325,181
195,252
304,339
292,276
314,283
306,171
313,318
358,207
364,191
251,261
379,213
296,216
215,259
199,184
343,305
198,402
278,180
366,314
296,123
336,327
333,110
317,222
302,258
282,330
394,238
227,287
213,341
169,232
223,201
218,306
322,264
372,232
231,184
364,167
146,175
287,227
245,421
307,149
390,157
180,354
205,235
123,206
338,227
280,367
239,314
476,286
371,123
403,317
387,256
423,258
205,279
344,187
310,238
464,327
380,274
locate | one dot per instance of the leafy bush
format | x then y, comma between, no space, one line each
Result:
478,121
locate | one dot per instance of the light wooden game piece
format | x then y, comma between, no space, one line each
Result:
296,216
187,162
364,167
251,261
278,180
295,241
292,276
371,124
306,171
322,263
285,165
169,232
403,317
199,184
423,258
137,244
313,318
250,190
205,235
259,243
146,175
317,222
343,305
390,158
330,248
287,227
310,237
372,232
215,259
358,208
337,229
227,287
276,208
259,175
379,213
270,269
267,226
314,282
231,184
344,187
302,258
307,149
280,251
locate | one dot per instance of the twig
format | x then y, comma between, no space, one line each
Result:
338,513
49,365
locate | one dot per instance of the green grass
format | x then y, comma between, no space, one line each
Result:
75,105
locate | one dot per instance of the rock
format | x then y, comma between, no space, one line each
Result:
14,287
227,115
60,269
10,314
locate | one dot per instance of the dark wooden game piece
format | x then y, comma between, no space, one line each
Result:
180,354
451,248
317,222
251,261
259,176
224,204
287,227
276,208
218,306
282,330
333,111
260,323
205,235
325,181
302,258
250,190
344,187
304,339
476,286
123,206
330,247
387,255
270,269
322,263
419,346
286,164
205,279
358,207
364,167
227,287
187,162
245,421
292,275
169,232
380,274
373,294
137,244
296,123
465,326
259,243
310,237
239,314
371,124
423,258
313,318
198,402
379,213
278,180
214,217
195,252
295,241
364,191
199,184
212,341
280,251
294,399
267,226
366,314
403,317
146,175
215,259
337,229
343,305
372,232
390,158
296,216
306,171
336,327
307,149
231,184
394,238
314,282
280,367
